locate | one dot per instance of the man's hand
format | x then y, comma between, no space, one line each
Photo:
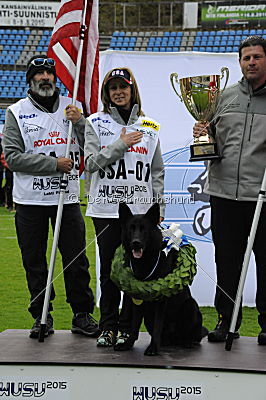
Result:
64,165
200,129
73,113
131,138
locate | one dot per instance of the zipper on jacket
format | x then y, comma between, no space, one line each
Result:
251,124
241,147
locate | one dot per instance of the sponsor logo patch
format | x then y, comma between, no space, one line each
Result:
150,124
31,128
25,116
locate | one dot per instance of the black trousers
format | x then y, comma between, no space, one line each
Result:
108,231
2,193
231,222
32,225
8,188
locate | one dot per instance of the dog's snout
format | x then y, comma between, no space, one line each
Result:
136,244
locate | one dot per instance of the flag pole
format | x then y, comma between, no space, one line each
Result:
63,185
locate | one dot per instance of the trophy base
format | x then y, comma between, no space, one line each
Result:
204,151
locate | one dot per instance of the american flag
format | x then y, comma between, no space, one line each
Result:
64,45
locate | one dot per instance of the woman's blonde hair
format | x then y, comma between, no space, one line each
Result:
135,97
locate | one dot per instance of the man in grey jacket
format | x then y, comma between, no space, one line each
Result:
234,183
35,138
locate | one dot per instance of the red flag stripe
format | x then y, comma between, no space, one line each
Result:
68,6
94,86
67,31
70,50
71,19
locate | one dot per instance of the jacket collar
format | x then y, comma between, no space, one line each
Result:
247,88
133,115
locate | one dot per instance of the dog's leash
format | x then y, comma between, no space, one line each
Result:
154,268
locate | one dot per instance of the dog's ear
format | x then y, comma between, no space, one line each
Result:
153,214
124,212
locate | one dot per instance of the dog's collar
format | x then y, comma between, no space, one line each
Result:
154,268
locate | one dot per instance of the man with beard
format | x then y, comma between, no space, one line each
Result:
35,138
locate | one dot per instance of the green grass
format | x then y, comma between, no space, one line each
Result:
14,296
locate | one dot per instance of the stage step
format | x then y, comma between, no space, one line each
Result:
67,366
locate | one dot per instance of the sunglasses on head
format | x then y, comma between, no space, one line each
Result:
43,61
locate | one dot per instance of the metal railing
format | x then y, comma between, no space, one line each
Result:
141,15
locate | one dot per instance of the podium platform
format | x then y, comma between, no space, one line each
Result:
67,366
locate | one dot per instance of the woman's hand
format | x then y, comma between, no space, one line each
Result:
131,138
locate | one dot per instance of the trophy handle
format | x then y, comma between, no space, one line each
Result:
225,71
174,76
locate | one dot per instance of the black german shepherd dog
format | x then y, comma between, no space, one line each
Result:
173,321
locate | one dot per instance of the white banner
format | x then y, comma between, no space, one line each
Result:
58,382
28,13
186,203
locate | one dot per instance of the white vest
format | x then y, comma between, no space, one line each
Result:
45,133
129,178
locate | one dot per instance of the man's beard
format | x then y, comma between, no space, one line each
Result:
41,87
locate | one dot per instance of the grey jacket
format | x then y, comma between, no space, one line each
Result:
96,158
239,129
33,164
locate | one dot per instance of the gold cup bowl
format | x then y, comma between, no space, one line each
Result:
200,95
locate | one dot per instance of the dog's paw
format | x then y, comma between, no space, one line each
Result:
151,351
204,332
124,346
189,345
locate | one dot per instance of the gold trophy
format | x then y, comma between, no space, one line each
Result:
200,95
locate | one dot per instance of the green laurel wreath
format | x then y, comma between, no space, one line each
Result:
171,284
